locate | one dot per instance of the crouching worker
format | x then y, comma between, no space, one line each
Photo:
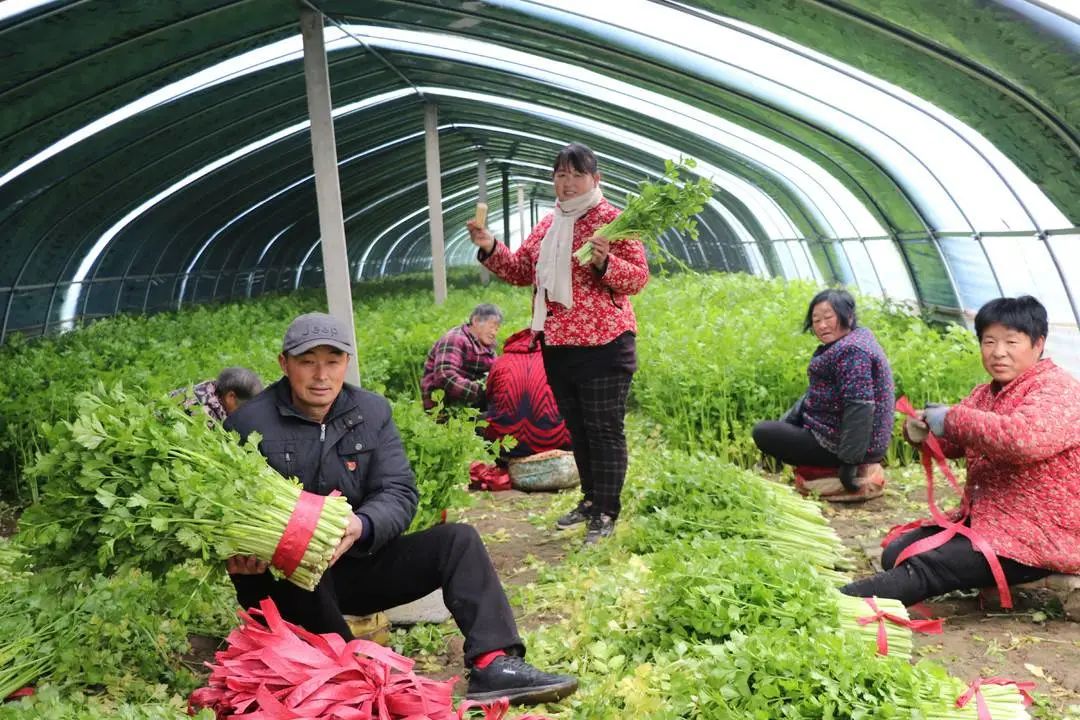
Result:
459,361
520,402
334,436
840,429
1020,434
221,397
520,405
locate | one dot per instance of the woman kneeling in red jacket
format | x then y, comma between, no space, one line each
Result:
1020,434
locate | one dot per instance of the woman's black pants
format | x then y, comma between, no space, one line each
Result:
956,565
409,567
595,411
792,444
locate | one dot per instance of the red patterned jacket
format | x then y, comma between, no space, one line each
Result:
601,311
1022,446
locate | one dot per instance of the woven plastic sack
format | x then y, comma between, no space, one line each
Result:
546,471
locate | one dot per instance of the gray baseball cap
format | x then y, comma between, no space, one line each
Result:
313,329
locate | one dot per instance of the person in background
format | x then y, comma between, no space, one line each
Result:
844,421
334,436
221,397
586,326
1020,434
520,403
461,359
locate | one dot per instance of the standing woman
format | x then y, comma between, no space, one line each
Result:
585,325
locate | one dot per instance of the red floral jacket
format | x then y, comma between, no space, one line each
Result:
601,311
1022,446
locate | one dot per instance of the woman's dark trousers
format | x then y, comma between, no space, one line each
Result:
956,565
594,410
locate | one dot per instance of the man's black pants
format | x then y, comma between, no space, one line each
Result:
956,565
595,412
409,567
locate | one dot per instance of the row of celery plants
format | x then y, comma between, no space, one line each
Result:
718,353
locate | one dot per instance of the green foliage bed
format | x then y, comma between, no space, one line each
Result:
714,600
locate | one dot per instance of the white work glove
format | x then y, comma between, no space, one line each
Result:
934,415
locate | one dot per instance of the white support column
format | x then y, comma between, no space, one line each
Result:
522,231
434,195
481,196
327,186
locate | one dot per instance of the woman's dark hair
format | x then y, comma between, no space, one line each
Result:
842,304
1024,314
576,157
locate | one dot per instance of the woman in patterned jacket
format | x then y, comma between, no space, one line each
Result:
1020,434
839,430
585,324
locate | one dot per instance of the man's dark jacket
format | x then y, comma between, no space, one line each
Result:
357,450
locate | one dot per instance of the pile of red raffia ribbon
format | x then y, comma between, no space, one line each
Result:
279,671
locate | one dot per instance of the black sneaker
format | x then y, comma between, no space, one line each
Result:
578,515
510,677
600,527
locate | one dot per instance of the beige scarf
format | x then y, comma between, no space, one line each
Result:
553,271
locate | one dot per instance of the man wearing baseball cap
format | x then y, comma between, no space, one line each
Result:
335,436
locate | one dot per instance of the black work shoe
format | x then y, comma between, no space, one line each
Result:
578,515
600,527
510,677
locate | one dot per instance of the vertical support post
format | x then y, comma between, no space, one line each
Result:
506,203
481,196
522,231
434,194
327,185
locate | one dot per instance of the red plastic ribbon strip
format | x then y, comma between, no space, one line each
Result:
22,692
930,627
974,691
298,532
932,453
496,710
274,670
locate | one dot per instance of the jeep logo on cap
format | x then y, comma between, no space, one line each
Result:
319,330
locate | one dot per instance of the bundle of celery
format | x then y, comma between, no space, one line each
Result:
658,207
698,496
141,483
883,622
952,700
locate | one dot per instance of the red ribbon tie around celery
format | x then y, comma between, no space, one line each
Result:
298,532
933,454
21,693
930,627
974,691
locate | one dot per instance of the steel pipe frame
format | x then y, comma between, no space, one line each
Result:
1064,282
